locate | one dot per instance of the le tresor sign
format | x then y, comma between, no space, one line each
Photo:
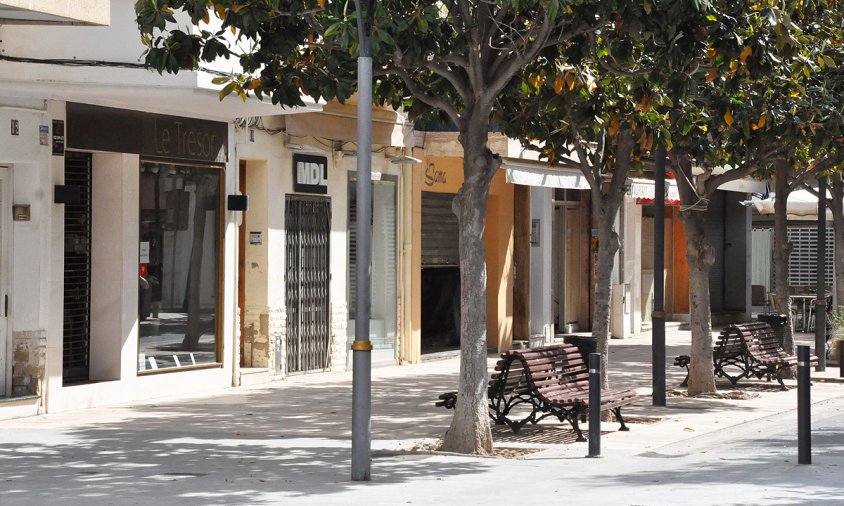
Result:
310,174
91,127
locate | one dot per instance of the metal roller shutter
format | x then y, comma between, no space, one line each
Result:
77,270
715,235
440,237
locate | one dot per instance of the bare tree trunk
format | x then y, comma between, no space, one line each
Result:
782,248
605,208
836,205
700,257
194,326
470,431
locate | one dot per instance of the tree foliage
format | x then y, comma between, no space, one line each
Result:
690,72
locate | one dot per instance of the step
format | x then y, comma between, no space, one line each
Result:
254,376
19,407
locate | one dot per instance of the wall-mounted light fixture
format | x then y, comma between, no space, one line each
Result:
404,159
67,194
237,203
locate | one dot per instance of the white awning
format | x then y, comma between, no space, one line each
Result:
745,186
801,205
644,189
529,173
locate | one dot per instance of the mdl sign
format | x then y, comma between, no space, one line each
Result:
310,174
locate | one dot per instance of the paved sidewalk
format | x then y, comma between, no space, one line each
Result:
288,442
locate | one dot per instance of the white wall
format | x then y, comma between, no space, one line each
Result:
120,41
30,166
541,266
114,253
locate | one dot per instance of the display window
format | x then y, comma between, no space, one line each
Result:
179,273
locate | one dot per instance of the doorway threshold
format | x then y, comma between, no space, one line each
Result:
440,355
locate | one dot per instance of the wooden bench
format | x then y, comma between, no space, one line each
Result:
549,381
745,350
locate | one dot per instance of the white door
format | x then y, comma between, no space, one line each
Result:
5,250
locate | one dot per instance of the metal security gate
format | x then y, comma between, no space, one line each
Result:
440,231
308,227
715,235
77,268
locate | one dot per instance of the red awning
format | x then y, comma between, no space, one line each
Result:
668,202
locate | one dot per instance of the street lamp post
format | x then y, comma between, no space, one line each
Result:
362,347
658,313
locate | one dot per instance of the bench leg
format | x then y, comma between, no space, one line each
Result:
573,416
685,382
780,374
617,413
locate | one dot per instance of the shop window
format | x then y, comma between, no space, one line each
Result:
178,272
383,281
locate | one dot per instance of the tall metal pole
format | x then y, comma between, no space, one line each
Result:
362,347
658,314
820,298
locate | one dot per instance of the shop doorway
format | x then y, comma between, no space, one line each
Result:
77,270
440,274
6,350
570,253
307,228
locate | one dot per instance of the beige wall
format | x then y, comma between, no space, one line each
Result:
499,251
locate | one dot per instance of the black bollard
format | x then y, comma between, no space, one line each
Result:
594,405
804,415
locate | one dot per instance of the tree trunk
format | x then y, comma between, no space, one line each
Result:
605,207
836,205
700,257
608,246
470,431
194,325
782,249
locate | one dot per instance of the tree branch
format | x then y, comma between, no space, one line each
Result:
511,65
416,91
588,170
593,46
449,75
744,170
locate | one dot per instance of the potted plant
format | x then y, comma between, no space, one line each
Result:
836,337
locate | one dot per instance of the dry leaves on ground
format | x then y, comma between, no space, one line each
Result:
739,395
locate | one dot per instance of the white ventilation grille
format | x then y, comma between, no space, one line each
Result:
802,264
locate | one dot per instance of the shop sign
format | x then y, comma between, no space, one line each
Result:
58,137
97,128
434,176
310,174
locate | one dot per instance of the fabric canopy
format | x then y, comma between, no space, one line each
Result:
528,173
801,205
643,191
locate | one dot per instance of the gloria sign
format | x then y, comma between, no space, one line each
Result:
310,174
